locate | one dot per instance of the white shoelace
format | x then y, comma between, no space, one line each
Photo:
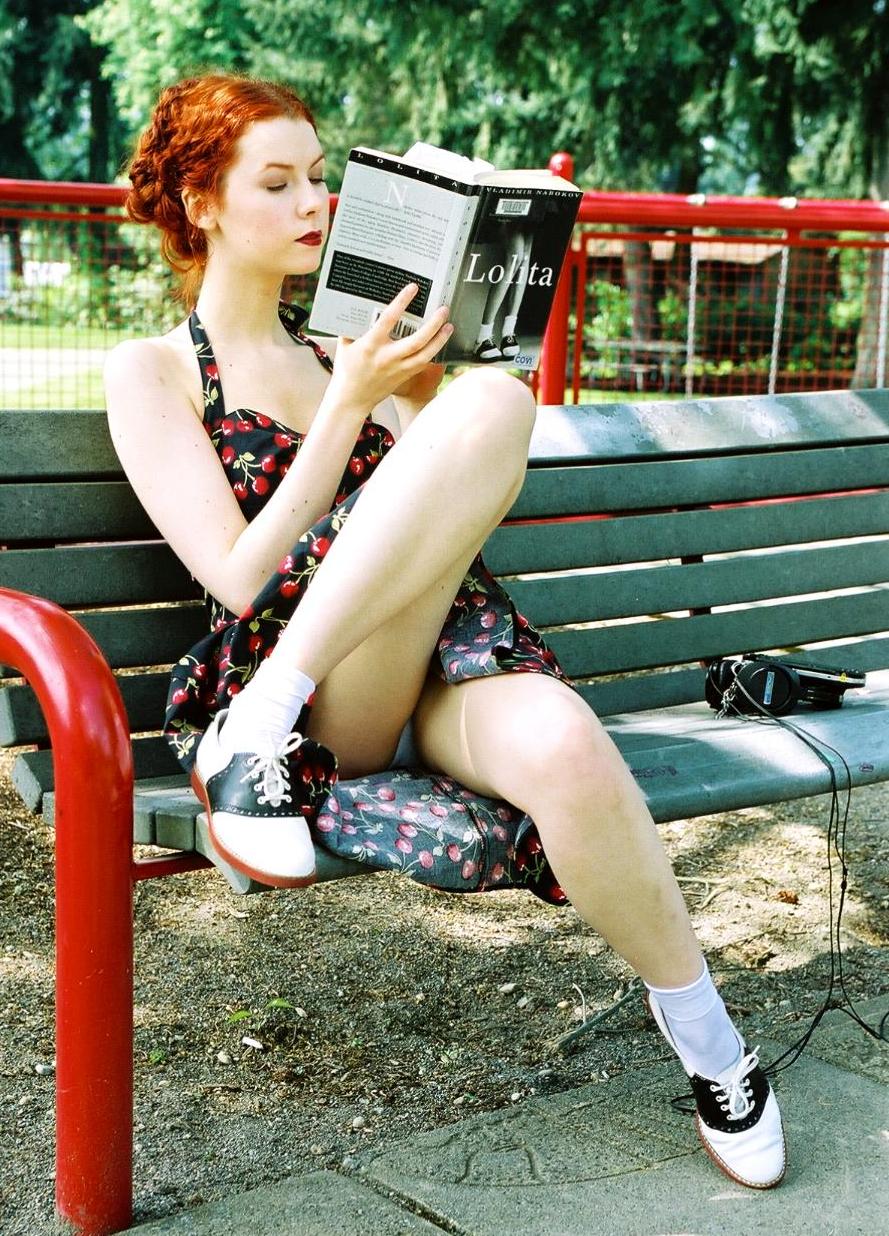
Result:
735,1095
270,773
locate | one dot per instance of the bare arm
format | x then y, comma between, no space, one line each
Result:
176,473
173,467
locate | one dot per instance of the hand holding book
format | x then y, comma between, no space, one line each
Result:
373,366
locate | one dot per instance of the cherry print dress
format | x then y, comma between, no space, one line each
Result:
465,841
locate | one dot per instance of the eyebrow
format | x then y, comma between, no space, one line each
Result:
289,166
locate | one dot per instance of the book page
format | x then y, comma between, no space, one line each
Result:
394,225
422,154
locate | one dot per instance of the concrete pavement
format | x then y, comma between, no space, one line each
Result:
609,1159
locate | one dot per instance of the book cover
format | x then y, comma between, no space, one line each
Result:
490,244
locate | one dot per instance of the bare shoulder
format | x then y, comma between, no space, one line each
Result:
161,365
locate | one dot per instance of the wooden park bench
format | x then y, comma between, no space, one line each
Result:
647,539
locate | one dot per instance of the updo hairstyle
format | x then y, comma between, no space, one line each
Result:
190,144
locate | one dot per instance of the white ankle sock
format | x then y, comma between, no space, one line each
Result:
700,1025
509,323
262,715
485,331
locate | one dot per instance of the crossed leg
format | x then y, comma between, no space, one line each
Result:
369,621
368,624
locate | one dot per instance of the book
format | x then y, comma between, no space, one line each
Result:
490,244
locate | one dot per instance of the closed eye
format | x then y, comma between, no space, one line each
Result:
275,188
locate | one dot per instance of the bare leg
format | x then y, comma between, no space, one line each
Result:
516,248
519,285
532,740
430,504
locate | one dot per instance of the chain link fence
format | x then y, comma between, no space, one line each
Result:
669,296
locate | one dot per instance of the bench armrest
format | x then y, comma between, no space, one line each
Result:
90,738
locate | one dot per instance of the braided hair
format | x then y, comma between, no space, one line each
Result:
190,144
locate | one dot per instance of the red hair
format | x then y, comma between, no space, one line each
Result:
190,144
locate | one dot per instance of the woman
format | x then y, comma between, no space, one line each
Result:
336,551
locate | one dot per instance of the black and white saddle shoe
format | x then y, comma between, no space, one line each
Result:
259,804
737,1116
488,351
509,347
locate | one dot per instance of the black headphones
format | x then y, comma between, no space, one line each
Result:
775,687
766,684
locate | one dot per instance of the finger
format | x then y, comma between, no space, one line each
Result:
419,338
396,307
435,344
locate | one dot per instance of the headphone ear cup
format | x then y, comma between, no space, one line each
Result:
775,687
719,679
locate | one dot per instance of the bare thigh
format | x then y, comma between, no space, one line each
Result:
508,736
362,705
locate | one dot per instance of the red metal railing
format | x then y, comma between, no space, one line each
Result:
660,294
94,908
697,295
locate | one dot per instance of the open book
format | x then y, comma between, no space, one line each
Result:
489,244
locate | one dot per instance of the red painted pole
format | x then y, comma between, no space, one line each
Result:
554,351
94,908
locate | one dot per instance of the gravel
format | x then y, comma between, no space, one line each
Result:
290,1031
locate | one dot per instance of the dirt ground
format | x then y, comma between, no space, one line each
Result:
285,1032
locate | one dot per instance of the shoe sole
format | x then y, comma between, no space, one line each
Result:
262,877
724,1167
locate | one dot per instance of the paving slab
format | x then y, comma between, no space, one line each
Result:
841,1041
319,1204
608,1159
614,1159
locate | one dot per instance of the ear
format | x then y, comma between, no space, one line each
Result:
199,211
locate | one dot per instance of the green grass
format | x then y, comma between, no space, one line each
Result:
83,391
27,335
592,396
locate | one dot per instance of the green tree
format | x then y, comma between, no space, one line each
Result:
148,44
56,118
838,100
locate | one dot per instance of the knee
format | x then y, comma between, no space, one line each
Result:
492,417
569,756
501,406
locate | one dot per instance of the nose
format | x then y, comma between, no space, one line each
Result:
314,200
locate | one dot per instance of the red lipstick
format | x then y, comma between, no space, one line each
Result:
310,238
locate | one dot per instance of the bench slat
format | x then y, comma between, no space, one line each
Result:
31,445
109,510
98,575
22,723
525,548
609,431
597,488
87,510
32,772
647,689
147,636
727,581
134,637
617,431
643,645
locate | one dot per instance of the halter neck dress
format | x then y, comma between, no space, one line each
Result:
483,634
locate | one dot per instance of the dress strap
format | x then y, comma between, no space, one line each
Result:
293,317
214,404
